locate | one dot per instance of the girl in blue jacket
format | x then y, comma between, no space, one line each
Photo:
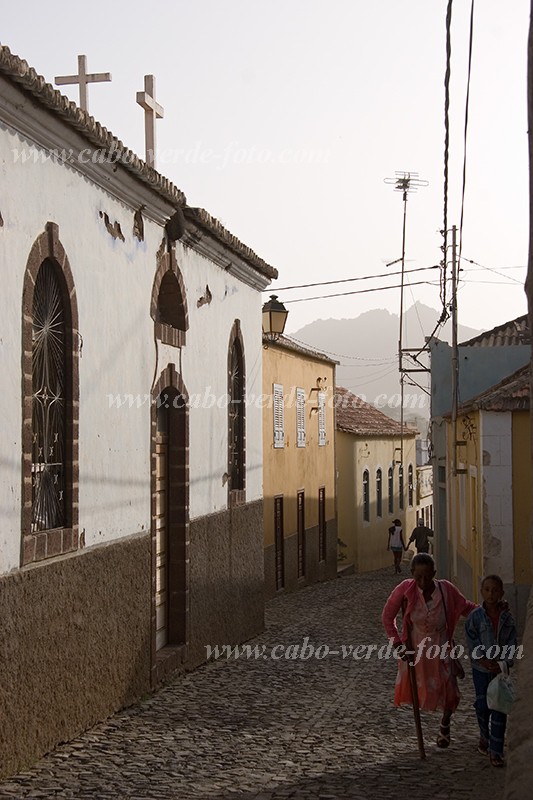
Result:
489,628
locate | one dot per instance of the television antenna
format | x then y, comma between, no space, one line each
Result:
406,183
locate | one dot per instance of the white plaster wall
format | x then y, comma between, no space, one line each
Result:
205,374
496,432
113,281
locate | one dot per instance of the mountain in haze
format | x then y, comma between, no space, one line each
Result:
367,349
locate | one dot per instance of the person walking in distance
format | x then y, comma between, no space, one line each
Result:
396,543
420,536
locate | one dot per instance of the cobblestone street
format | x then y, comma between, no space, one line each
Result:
268,729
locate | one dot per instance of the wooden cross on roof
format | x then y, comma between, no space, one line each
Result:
83,78
152,111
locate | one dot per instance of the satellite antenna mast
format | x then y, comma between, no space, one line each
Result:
404,182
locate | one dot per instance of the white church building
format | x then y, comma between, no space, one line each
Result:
131,529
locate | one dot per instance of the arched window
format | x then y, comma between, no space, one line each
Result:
366,496
169,305
50,402
379,493
401,488
49,428
236,417
391,490
410,485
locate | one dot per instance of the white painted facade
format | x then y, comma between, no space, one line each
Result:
113,281
497,494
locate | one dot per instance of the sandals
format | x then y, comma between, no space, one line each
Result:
496,760
443,737
483,747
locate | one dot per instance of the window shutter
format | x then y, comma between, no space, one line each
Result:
279,416
321,419
300,417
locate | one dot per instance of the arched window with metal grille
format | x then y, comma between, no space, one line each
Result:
366,496
236,417
390,487
379,492
50,367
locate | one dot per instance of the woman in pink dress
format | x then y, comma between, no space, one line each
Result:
431,610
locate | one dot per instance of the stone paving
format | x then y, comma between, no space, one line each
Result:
267,729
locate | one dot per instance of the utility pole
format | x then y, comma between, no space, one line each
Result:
455,350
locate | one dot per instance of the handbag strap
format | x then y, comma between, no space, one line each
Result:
450,639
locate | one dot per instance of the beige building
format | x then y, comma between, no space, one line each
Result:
298,466
376,481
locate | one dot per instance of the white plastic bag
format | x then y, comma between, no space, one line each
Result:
500,691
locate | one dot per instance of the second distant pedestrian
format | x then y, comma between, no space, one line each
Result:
420,536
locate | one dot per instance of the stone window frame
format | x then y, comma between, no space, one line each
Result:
169,334
322,524
379,492
300,417
175,653
278,414
38,546
237,496
366,495
410,486
301,534
279,543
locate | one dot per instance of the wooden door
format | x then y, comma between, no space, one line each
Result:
161,529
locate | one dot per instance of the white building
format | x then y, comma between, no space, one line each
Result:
131,467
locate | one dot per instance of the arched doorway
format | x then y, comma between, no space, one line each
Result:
170,518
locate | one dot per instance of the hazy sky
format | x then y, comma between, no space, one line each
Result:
283,118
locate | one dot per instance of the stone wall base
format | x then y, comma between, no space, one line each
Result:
74,645
226,579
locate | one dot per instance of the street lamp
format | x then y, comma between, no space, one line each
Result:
274,318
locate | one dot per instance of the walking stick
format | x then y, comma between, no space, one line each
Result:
414,690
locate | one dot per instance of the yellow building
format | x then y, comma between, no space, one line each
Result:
376,481
489,497
298,466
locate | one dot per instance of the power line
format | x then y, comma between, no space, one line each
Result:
481,267
467,104
494,283
446,148
495,271
375,365
340,355
347,280
390,274
357,291
377,378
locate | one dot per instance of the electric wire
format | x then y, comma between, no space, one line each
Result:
357,291
348,280
446,146
465,139
340,355
495,271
